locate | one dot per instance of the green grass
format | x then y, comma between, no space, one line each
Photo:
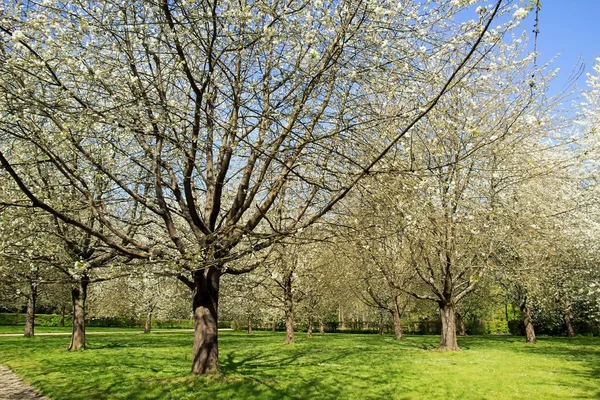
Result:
260,366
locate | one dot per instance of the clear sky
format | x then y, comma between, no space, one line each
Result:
570,28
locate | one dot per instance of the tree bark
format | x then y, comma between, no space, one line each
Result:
289,325
148,324
205,299
288,296
274,326
249,329
568,317
309,329
396,317
30,318
78,297
460,322
62,315
529,329
342,320
321,327
397,313
448,337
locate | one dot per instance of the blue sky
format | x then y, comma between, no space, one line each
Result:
570,28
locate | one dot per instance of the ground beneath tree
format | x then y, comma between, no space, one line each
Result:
13,388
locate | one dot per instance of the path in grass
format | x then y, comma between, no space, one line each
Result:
336,366
13,388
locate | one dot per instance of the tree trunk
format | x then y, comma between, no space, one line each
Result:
288,296
62,315
289,325
274,326
309,329
249,330
148,324
460,322
30,319
396,317
568,317
205,299
529,329
342,320
321,327
78,297
448,338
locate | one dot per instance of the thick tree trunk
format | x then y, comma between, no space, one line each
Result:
289,325
396,317
460,325
30,318
568,317
78,297
148,324
448,338
309,329
529,329
205,299
249,329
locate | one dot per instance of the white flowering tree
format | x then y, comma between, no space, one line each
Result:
194,116
450,185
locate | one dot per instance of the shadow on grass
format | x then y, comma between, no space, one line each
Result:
261,366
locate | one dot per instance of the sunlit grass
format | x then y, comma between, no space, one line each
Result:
156,366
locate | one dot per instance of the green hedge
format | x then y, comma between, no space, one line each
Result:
112,322
40,319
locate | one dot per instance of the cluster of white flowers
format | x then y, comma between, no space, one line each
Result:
521,13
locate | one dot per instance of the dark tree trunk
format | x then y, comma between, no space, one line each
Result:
288,296
460,325
62,315
205,299
309,329
448,338
396,317
78,297
148,324
568,317
528,322
249,330
30,318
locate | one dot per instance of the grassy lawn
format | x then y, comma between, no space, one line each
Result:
333,366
